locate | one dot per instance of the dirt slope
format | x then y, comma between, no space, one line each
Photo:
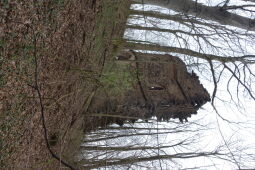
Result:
56,50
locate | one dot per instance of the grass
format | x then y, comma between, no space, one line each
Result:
117,79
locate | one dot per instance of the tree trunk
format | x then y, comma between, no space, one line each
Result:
190,7
178,18
132,160
250,1
211,57
138,27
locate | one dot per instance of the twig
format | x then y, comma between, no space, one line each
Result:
36,87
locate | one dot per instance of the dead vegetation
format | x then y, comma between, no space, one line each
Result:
58,56
141,86
65,43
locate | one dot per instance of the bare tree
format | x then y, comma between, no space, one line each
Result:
161,146
224,48
215,13
216,42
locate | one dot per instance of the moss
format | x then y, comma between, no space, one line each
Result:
118,44
117,78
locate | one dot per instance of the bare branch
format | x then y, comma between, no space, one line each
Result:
190,7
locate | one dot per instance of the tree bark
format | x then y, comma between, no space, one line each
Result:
190,7
211,57
132,160
178,18
162,30
250,1
127,148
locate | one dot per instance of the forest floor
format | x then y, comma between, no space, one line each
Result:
52,54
